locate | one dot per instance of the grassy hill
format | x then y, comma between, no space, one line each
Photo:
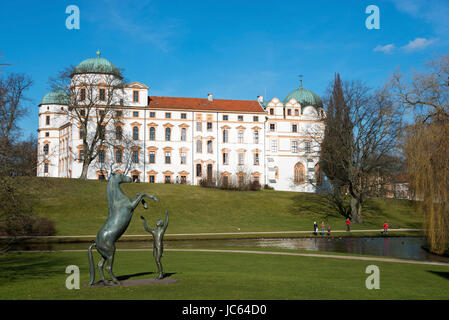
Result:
80,208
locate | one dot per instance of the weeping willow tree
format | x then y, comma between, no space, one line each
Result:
427,145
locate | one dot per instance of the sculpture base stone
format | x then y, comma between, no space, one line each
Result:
136,282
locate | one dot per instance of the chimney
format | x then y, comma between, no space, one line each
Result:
260,99
210,97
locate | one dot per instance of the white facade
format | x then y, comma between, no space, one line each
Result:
183,140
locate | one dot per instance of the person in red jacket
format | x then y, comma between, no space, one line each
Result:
348,225
385,227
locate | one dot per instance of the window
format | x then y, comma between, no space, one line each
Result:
294,128
289,112
152,133
240,118
135,114
295,146
167,179
47,120
81,155
82,94
271,111
183,179
256,158
225,158
272,126
241,158
241,179
152,157
46,148
198,126
183,134
167,134
151,179
274,146
101,176
167,157
81,133
255,118
225,180
256,137
240,136
183,115
167,115
225,117
209,146
135,156
198,146
118,155
118,133
225,136
102,94
198,170
183,158
299,174
296,112
101,156
118,114
135,133
152,114
82,112
209,126
47,134
307,146
45,167
102,132
101,112
135,96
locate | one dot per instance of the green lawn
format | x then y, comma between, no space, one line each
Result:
80,208
221,276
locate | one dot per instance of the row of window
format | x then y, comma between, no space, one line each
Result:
273,127
294,146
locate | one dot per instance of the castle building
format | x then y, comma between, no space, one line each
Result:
157,139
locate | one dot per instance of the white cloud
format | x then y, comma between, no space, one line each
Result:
418,44
385,49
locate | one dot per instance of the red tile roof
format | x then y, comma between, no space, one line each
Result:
198,104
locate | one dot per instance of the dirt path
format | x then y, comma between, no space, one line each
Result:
223,233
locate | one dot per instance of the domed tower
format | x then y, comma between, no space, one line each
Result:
52,116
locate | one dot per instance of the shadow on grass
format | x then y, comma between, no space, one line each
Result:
128,276
23,267
313,204
442,274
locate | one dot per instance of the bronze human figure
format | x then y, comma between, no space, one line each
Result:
158,235
121,209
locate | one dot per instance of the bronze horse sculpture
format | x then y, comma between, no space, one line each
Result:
121,209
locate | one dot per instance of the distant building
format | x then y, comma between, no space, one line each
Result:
188,139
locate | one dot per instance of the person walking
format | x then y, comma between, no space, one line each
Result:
385,227
348,224
322,228
328,230
315,228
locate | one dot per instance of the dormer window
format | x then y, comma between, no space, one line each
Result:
83,94
102,94
271,111
135,96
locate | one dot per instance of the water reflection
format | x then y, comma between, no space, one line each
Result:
399,247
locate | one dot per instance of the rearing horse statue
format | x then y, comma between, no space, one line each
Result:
121,210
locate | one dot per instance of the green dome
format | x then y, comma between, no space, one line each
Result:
55,97
97,65
304,97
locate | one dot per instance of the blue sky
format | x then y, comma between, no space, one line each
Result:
234,49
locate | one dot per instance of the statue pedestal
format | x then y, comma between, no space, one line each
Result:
138,282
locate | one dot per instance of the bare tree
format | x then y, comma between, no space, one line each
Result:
94,101
426,146
361,129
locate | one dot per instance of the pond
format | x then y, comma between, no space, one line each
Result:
398,247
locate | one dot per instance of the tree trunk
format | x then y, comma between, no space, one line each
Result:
356,210
83,175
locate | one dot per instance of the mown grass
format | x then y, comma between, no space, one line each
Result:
224,276
80,208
